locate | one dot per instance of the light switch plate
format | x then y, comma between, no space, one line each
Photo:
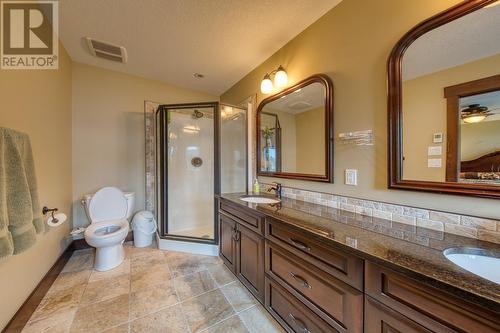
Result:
434,151
351,177
434,163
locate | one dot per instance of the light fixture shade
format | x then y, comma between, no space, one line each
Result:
474,119
266,86
280,78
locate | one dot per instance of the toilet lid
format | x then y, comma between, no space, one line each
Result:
109,203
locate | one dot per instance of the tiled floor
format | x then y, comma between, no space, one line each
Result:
151,291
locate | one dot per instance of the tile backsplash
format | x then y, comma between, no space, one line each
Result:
463,225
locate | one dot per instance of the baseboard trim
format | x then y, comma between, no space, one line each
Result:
17,323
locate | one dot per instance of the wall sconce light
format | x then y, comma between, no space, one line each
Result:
280,80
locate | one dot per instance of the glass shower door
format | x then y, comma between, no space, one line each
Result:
189,162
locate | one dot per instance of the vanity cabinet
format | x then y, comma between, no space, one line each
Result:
431,308
227,243
310,285
242,246
250,260
336,302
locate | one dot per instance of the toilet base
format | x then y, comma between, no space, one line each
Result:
109,257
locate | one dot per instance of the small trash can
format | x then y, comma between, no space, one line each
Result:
144,226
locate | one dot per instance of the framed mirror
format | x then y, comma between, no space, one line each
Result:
295,132
444,103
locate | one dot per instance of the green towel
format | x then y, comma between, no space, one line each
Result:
20,218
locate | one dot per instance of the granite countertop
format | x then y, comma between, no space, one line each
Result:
413,251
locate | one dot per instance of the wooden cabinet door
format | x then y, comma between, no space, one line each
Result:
227,242
250,260
379,318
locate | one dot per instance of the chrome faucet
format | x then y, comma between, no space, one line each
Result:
277,188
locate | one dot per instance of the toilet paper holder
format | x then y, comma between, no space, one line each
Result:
46,210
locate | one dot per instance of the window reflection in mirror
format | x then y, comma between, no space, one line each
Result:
451,102
292,132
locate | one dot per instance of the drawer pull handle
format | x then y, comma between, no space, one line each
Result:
301,280
299,244
299,323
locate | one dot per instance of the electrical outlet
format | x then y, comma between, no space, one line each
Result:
351,177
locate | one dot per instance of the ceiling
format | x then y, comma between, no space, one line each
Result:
169,40
471,37
301,100
489,99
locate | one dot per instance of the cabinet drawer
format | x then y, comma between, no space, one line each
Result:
340,304
343,266
430,307
247,218
379,318
291,313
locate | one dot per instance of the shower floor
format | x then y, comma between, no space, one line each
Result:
206,232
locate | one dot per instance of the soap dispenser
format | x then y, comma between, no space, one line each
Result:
256,187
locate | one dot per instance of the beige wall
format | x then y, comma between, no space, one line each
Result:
38,102
310,128
108,130
351,44
423,100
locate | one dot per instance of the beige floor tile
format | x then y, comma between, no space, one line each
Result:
194,284
145,262
89,250
124,268
155,275
258,320
70,279
184,263
133,252
233,325
221,274
147,300
101,316
238,296
210,260
169,320
124,328
102,290
79,262
206,310
59,322
58,301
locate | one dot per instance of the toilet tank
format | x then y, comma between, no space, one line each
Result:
130,203
130,196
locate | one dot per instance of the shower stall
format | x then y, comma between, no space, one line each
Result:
201,151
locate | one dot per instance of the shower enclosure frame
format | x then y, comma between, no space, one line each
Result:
162,162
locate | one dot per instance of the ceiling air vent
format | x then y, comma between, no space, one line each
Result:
300,105
106,50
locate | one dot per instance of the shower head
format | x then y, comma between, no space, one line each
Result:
197,114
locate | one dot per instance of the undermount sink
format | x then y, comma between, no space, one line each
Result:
481,262
259,199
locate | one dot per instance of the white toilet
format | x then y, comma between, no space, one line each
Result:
108,211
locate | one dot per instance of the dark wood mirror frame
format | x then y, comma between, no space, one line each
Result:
328,85
394,106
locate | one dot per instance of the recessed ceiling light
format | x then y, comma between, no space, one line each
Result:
198,75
